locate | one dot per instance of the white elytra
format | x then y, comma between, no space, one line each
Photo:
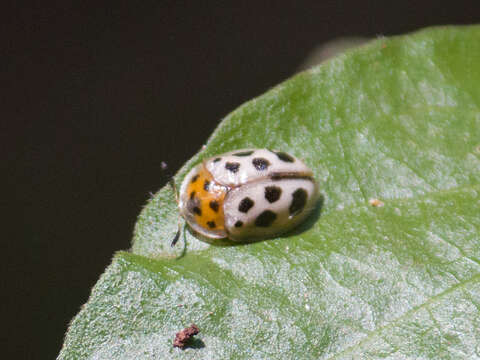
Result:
283,220
247,172
280,189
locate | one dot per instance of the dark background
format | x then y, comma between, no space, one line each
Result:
97,94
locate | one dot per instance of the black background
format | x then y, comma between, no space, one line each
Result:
97,94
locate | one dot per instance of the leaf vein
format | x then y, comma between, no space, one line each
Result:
412,311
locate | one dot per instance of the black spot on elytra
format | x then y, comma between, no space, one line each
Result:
244,153
239,223
232,166
214,205
299,199
194,178
260,163
211,224
272,193
285,157
265,219
245,205
206,185
194,204
217,159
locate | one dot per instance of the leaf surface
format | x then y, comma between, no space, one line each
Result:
396,120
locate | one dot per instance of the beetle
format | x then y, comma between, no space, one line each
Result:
247,194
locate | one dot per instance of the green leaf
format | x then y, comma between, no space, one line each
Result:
396,120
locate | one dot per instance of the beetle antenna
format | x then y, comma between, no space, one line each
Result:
177,236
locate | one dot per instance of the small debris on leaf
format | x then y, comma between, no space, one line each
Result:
376,202
182,337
